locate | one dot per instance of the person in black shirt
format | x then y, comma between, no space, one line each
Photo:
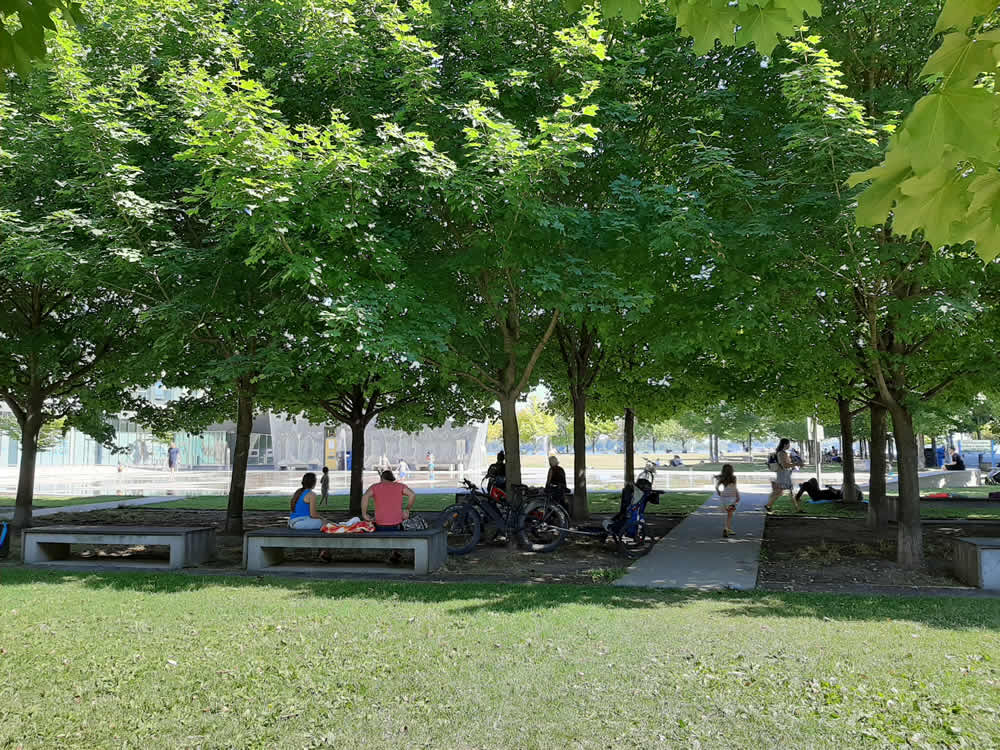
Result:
557,475
555,482
497,473
957,464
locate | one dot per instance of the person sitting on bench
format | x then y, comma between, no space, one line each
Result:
388,495
957,464
302,509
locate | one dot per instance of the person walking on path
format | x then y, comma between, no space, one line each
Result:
324,488
430,465
173,457
388,495
725,487
783,479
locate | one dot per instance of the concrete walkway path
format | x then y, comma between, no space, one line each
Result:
695,555
8,513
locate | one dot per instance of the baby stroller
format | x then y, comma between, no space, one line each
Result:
628,527
992,476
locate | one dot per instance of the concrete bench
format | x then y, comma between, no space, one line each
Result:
50,545
977,561
264,550
941,478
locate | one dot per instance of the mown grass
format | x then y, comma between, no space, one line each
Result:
237,662
600,502
58,502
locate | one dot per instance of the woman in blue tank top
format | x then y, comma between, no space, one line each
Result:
303,506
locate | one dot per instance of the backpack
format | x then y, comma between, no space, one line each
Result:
4,541
772,462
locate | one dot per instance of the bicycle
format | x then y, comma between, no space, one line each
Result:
537,524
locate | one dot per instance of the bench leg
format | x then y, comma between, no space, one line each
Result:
200,547
989,562
178,558
38,552
421,559
259,557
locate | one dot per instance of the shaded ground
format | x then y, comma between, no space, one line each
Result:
579,560
841,554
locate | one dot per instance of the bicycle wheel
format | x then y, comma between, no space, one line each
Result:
463,526
542,527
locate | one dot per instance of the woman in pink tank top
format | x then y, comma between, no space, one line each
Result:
388,495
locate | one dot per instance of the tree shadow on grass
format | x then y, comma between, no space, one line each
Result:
473,598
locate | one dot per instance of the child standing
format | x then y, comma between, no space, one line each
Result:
324,487
729,495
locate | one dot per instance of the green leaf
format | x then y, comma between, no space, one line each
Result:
986,234
959,14
960,118
931,202
986,189
961,59
875,203
763,26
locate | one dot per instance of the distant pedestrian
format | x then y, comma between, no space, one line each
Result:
725,486
173,457
324,487
783,463
430,465
403,469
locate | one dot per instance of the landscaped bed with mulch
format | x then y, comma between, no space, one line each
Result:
843,554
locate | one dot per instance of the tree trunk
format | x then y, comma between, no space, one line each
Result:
909,545
653,440
241,457
30,430
581,509
629,446
848,487
878,515
511,440
357,463
933,463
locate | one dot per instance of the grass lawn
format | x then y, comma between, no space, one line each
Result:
58,502
600,502
235,662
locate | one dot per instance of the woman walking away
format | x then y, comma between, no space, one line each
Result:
729,495
783,479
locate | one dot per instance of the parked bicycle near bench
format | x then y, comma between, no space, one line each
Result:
537,524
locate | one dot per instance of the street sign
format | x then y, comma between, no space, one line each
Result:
976,446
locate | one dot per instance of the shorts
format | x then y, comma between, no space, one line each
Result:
394,527
306,523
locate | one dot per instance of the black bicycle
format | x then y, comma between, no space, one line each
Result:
538,523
